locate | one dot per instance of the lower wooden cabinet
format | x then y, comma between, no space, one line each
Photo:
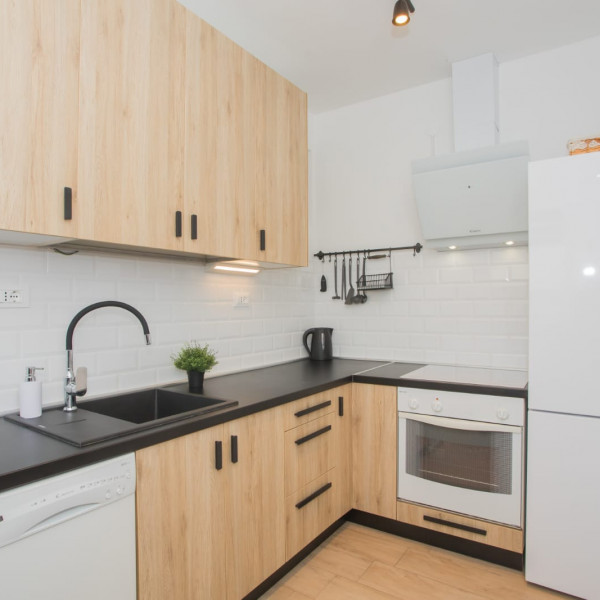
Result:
318,475
210,514
469,528
310,510
374,449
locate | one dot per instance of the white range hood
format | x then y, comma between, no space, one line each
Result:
476,197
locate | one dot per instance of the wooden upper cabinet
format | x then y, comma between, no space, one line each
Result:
245,152
216,181
282,205
147,113
39,71
132,120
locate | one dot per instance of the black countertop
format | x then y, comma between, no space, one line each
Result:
26,455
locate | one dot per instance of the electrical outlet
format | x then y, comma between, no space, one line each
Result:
241,300
14,298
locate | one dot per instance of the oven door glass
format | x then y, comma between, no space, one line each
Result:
474,460
462,466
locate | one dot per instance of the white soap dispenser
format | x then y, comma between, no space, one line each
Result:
30,395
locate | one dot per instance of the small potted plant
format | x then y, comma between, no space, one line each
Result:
196,360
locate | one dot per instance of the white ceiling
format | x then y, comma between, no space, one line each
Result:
346,51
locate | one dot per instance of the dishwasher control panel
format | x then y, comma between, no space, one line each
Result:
37,506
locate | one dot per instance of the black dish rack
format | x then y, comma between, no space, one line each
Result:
378,281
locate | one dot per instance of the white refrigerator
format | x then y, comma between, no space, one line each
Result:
562,549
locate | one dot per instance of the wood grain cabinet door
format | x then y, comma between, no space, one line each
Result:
39,72
181,519
374,448
222,84
256,523
132,120
282,207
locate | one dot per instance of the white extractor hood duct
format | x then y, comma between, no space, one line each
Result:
476,197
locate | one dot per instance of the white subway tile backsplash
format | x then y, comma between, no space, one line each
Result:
495,273
117,361
456,275
464,307
10,344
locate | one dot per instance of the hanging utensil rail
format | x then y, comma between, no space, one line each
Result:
416,249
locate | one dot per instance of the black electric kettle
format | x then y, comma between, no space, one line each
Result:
320,343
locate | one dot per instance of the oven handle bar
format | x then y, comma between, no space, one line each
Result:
460,423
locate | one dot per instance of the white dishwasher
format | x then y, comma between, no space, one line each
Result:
71,536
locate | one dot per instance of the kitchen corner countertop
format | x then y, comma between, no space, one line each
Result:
26,456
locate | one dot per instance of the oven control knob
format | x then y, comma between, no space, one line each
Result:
436,405
413,404
502,414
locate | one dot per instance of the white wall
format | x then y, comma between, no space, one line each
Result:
179,299
465,308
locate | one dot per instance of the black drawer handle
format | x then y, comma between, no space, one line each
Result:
314,495
68,208
263,240
313,435
234,448
218,455
454,525
178,224
194,227
341,406
311,409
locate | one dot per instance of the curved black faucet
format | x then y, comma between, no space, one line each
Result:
72,387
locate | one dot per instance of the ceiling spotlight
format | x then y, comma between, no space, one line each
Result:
402,8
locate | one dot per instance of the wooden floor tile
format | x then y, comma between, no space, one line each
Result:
369,544
491,581
411,586
359,563
309,580
283,592
339,562
341,588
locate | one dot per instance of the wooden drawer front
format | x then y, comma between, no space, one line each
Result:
310,451
312,407
309,511
484,532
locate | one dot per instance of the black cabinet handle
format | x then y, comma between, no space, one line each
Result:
313,435
311,409
68,208
455,525
314,495
194,227
234,448
178,224
263,239
341,406
218,455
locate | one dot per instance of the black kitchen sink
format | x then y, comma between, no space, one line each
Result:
114,416
152,405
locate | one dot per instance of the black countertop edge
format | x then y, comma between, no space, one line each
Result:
447,386
73,457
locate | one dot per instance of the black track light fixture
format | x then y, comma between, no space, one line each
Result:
402,10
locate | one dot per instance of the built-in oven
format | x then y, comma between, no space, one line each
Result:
462,452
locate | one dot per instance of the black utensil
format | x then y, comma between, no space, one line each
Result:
363,297
343,276
336,297
358,298
323,283
350,293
